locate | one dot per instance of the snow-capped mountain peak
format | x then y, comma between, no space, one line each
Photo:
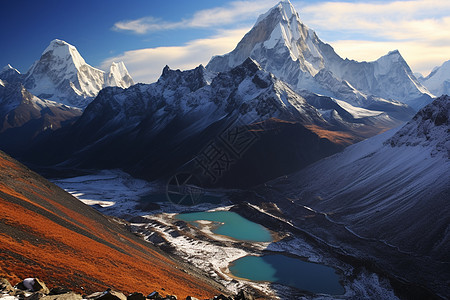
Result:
62,50
61,74
286,47
438,81
118,76
284,8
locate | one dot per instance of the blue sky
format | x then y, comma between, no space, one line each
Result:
149,34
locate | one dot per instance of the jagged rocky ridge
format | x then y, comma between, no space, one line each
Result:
283,45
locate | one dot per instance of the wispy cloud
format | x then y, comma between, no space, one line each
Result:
399,20
420,29
419,56
235,11
146,24
145,65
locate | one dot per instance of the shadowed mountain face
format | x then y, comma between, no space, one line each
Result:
24,117
46,232
253,127
385,198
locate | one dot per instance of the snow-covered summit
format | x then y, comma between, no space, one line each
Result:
118,76
286,47
61,74
64,50
438,81
284,7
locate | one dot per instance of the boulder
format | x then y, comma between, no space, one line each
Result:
64,296
107,295
6,287
33,285
243,295
222,297
136,296
191,298
171,297
155,295
59,290
7,297
36,296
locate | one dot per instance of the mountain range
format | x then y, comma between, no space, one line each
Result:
51,95
320,139
290,50
153,130
282,87
280,77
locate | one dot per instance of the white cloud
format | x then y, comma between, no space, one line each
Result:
144,25
420,57
235,11
420,29
145,65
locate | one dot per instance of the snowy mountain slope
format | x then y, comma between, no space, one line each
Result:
62,75
438,81
24,117
382,181
361,122
283,45
388,77
393,189
152,130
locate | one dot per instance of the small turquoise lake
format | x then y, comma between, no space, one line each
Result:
288,271
230,224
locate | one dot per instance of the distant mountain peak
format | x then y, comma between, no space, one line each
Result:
9,67
118,76
61,74
438,81
287,48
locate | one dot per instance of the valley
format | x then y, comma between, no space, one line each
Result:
275,170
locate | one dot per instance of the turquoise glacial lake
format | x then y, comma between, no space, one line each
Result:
230,224
288,271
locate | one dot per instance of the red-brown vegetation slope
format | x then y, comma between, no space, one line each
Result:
47,233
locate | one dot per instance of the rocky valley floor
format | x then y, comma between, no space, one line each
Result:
116,193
